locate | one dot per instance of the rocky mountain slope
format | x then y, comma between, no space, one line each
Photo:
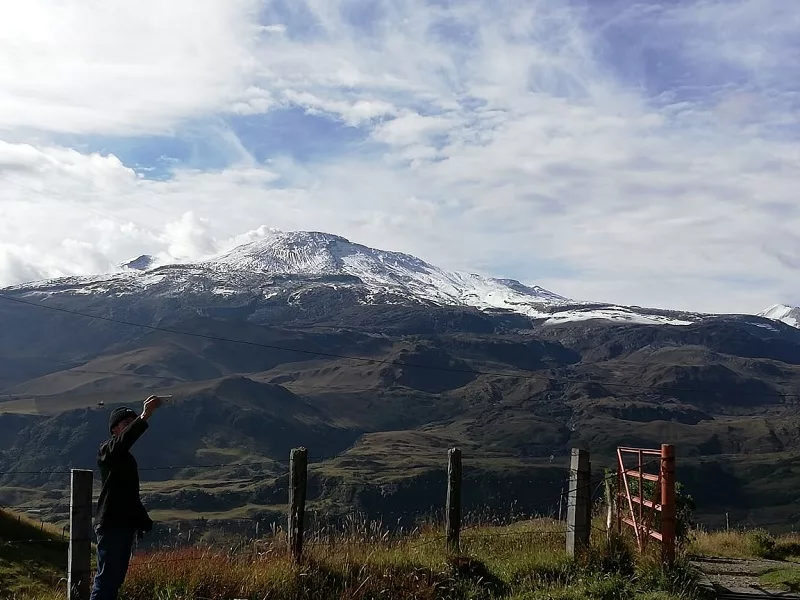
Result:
378,362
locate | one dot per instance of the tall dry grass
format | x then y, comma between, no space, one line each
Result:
521,561
755,543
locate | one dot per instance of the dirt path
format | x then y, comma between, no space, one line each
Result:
736,578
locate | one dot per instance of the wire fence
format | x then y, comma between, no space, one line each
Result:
352,533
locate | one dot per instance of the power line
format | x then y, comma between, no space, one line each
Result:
146,469
369,361
316,460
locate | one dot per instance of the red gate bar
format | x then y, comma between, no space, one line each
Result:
641,510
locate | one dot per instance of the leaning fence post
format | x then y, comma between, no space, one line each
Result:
298,476
668,503
578,507
80,535
453,524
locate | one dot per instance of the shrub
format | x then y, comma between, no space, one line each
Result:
760,543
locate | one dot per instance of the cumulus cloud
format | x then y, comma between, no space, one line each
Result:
189,238
640,154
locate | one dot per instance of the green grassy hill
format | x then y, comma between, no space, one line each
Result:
33,558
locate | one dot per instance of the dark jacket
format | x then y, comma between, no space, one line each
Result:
119,504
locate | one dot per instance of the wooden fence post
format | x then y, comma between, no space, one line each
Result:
80,535
298,476
668,503
609,503
578,507
453,524
589,506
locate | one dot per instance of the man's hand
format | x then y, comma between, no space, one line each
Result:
150,406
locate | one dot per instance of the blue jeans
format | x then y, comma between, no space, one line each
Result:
114,547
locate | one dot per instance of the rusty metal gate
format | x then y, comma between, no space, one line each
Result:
646,499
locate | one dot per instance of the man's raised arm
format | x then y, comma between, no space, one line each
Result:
124,440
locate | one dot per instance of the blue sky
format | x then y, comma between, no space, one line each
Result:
643,153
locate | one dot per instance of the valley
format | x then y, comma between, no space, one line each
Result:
378,368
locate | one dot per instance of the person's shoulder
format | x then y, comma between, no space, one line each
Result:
102,451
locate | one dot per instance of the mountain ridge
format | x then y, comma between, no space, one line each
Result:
304,260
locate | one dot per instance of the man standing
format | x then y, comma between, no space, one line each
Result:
120,513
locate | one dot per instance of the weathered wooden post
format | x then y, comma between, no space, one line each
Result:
453,524
298,477
578,506
589,499
610,498
668,516
79,563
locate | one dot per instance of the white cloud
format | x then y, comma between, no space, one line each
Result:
253,101
353,112
507,143
119,66
188,238
15,266
411,128
277,28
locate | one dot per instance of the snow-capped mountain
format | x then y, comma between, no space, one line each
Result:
781,312
292,264
312,254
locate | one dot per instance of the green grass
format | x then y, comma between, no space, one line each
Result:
31,569
784,579
524,561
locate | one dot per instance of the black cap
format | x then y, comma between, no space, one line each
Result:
118,415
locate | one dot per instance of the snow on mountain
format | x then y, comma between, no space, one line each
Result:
781,312
285,261
313,254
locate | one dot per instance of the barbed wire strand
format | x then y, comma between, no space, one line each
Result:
464,530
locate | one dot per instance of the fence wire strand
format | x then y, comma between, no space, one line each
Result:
468,534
